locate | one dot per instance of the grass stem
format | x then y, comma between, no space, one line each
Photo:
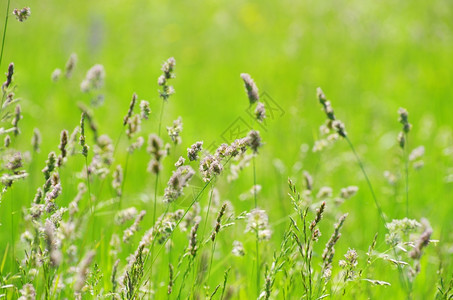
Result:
124,180
4,32
258,267
406,166
376,202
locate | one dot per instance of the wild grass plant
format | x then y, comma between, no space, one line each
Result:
149,214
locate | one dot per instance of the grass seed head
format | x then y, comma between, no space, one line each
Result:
175,130
318,216
422,242
83,271
125,215
94,79
308,181
56,74
348,192
260,112
70,65
62,147
133,125
117,180
170,279
50,165
250,88
113,278
339,127
194,150
82,139
145,110
329,250
179,179
22,14
193,240
180,162
218,222
258,222
16,119
168,73
131,109
321,96
27,292
55,255
238,249
129,232
210,166
254,140
9,77
324,192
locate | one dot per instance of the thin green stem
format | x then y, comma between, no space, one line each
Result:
254,182
189,266
154,221
88,185
170,248
258,269
225,278
89,198
257,263
160,118
212,256
205,224
118,141
4,32
376,202
405,282
406,162
156,182
124,180
207,213
3,101
152,249
12,233
155,191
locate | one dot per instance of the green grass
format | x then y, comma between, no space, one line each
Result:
370,58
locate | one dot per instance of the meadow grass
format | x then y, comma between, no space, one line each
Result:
108,197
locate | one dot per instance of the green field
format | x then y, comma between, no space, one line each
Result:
370,58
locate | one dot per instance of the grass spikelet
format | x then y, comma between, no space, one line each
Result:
329,250
131,109
82,139
129,232
83,271
70,65
250,88
62,147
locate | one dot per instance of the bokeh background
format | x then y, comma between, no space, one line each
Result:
370,58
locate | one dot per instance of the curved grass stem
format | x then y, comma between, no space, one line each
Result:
406,166
89,197
258,269
124,180
207,212
156,183
4,32
370,186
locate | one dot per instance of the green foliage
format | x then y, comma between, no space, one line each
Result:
89,209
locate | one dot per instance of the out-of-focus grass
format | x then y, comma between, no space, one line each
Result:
369,57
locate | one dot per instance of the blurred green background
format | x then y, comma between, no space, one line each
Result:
370,58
